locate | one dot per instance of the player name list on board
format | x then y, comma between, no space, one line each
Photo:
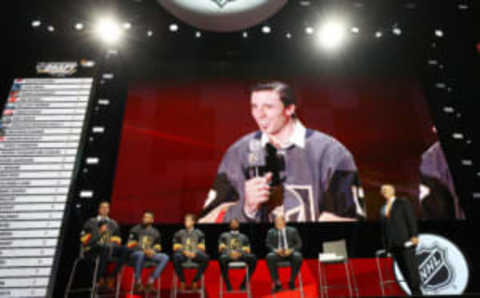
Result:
40,134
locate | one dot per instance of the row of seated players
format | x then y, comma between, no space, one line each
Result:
100,237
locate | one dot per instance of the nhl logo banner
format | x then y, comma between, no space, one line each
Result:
223,15
442,267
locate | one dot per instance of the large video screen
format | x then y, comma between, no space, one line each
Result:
220,141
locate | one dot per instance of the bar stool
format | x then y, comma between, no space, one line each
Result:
286,264
82,257
335,252
237,265
188,265
158,281
379,255
93,288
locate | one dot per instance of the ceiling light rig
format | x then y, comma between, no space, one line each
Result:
330,35
108,30
79,26
397,31
173,27
36,23
266,29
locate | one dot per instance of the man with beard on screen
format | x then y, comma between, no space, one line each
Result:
284,168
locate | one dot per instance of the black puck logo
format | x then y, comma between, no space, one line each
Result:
442,267
435,271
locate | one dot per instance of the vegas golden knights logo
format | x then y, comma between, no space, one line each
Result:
146,242
189,244
234,244
105,238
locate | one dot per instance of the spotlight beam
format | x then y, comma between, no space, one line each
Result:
332,34
108,30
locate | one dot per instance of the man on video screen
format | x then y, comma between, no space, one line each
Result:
284,168
438,197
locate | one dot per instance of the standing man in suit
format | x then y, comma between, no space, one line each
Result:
400,235
235,247
284,244
189,244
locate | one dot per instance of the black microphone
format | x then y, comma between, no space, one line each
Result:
275,163
256,158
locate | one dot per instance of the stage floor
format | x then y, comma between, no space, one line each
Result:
365,273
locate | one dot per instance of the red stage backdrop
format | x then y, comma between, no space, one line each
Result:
176,132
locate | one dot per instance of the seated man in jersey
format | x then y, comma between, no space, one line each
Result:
145,240
235,247
284,244
284,168
100,237
189,244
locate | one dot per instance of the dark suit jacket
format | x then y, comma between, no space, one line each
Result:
293,239
400,226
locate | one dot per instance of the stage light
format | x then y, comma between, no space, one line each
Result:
378,34
127,26
86,194
438,33
448,109
108,30
50,28
462,6
266,29
332,34
305,3
355,30
98,129
149,33
309,30
198,34
288,35
104,102
79,26
92,160
245,34
36,23
397,31
173,27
